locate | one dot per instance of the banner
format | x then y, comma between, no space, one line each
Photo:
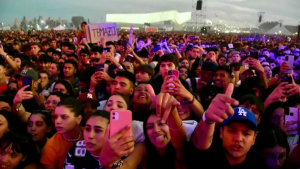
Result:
96,31
151,29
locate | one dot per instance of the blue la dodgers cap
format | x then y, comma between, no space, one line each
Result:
241,113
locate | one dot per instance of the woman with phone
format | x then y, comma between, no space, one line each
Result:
97,146
275,116
68,116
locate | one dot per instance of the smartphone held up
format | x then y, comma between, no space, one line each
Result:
27,80
119,120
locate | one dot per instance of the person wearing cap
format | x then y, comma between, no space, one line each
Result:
26,98
221,79
206,75
238,134
17,46
90,104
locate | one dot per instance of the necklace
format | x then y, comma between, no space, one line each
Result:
73,140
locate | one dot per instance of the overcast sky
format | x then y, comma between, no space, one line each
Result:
233,12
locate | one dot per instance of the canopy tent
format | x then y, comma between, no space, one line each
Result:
59,28
279,30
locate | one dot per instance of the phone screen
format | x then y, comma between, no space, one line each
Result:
98,67
124,44
290,60
27,80
105,50
292,116
287,78
84,39
254,55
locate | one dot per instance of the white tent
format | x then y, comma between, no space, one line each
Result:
279,30
58,28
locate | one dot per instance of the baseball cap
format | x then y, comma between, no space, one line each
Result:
88,97
241,113
209,66
296,50
31,73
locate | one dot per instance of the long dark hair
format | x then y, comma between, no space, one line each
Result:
20,143
266,120
154,160
67,85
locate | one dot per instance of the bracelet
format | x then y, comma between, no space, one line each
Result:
18,108
178,128
204,120
190,102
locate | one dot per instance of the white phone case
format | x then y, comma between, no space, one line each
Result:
292,116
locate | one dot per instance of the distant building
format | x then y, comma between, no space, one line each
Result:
167,20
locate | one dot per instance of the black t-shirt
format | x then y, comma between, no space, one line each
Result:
78,158
214,157
158,81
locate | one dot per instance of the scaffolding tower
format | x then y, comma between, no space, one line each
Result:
198,16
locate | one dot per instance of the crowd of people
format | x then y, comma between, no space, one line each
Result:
197,101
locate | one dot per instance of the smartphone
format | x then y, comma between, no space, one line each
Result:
194,37
163,40
292,116
172,74
84,39
254,55
287,78
290,60
98,67
119,119
230,46
124,44
105,50
155,49
27,80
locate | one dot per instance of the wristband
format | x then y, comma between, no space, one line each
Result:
191,102
204,119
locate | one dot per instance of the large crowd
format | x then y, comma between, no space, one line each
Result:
164,100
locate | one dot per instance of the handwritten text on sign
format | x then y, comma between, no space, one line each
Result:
106,30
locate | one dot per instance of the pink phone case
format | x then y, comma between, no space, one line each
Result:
174,74
119,119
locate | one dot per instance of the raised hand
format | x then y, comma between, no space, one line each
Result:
115,147
165,105
22,95
220,108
